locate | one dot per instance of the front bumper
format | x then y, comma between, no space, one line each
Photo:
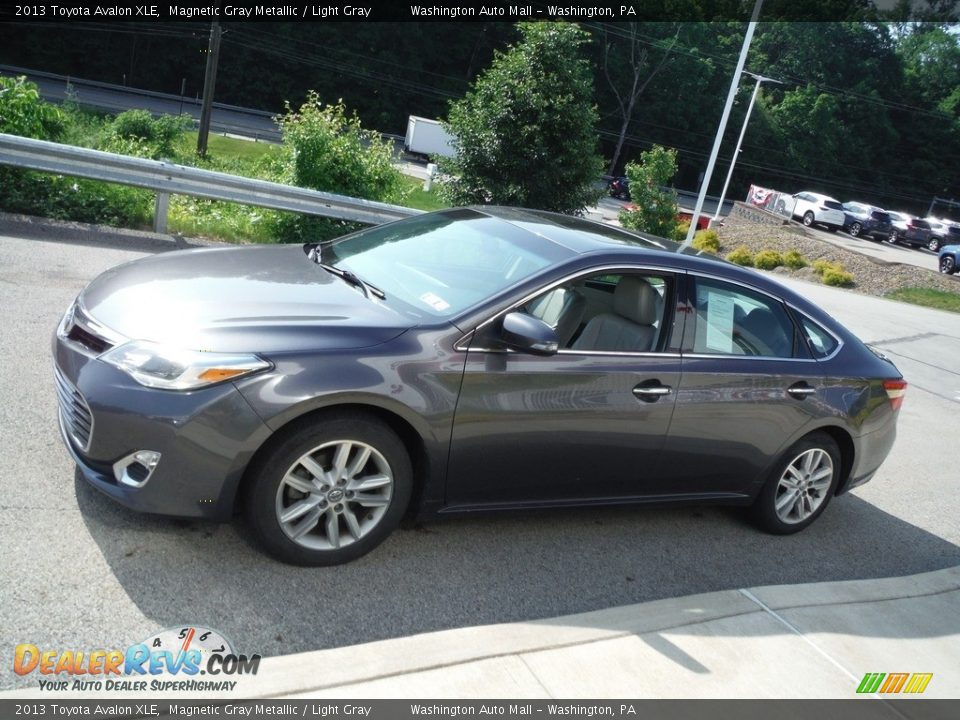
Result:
205,438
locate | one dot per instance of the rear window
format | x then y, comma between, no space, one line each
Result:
881,216
833,204
953,230
922,224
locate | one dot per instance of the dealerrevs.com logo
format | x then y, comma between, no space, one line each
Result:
172,660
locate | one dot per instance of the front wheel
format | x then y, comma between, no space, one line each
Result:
892,238
808,218
800,486
933,244
948,265
330,491
855,229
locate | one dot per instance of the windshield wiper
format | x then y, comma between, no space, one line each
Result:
352,278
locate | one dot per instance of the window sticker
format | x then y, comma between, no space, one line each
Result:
434,301
719,322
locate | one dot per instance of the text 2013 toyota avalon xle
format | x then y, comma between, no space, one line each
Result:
461,360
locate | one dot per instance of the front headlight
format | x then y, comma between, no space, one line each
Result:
168,368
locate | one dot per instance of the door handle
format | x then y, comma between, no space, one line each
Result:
801,390
651,393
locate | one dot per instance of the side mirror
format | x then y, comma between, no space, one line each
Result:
526,333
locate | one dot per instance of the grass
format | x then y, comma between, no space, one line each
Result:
219,146
420,199
939,299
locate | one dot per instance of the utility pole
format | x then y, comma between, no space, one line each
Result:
209,81
743,131
723,122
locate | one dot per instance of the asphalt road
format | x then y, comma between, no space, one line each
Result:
81,572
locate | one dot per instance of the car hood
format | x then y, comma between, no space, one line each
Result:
244,299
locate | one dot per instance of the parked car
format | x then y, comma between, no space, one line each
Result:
949,259
866,220
813,209
909,229
457,361
619,187
942,232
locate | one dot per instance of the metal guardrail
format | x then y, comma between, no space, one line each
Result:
166,178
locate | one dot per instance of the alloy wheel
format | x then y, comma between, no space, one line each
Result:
934,244
947,264
855,229
804,485
334,495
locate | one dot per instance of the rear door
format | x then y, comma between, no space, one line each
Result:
748,385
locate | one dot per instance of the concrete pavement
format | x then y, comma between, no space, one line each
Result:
783,641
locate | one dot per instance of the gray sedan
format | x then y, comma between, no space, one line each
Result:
466,360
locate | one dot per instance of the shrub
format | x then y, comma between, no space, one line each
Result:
656,209
767,260
837,277
821,266
794,260
706,240
159,135
23,113
680,233
741,256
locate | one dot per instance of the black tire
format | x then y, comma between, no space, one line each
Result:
893,238
855,229
808,218
948,265
934,244
764,508
264,495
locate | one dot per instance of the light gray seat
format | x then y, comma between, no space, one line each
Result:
630,327
561,309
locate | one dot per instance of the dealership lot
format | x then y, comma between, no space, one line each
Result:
82,572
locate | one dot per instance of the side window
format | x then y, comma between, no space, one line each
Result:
821,343
732,320
619,312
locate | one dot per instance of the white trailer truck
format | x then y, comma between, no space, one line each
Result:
427,137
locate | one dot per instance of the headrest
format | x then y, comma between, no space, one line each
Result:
636,300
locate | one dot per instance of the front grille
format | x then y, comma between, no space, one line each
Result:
76,415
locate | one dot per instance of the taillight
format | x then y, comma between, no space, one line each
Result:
895,391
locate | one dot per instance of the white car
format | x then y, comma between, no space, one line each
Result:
813,208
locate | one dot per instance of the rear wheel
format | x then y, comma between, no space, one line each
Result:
330,491
855,229
948,265
808,218
800,486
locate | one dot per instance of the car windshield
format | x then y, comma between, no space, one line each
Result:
441,264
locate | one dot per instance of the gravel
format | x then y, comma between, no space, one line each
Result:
871,276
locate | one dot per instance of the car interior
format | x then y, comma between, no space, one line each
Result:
605,313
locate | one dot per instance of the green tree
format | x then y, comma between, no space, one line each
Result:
23,113
656,207
525,133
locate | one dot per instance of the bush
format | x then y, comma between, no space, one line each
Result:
656,209
741,256
794,260
706,240
680,232
767,260
158,135
23,113
837,277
